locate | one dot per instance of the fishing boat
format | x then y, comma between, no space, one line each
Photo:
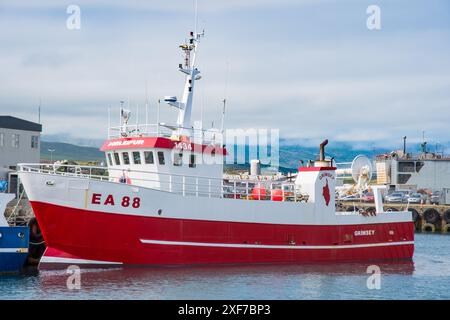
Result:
13,241
162,200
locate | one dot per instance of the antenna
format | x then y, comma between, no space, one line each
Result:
224,101
121,111
39,111
361,165
404,146
196,16
109,119
157,116
146,106
137,116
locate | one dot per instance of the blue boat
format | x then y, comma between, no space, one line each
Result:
13,241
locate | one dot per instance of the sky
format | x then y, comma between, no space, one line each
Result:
311,69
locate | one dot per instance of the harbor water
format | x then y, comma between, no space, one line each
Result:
426,277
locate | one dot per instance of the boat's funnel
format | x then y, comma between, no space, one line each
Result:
322,150
322,162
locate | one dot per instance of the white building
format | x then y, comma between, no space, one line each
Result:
19,142
425,171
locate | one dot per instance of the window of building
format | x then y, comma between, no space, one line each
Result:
148,156
403,178
192,162
419,165
34,142
109,159
126,158
136,157
406,166
161,158
116,159
2,139
178,159
15,140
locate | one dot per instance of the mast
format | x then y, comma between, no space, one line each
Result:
192,74
188,67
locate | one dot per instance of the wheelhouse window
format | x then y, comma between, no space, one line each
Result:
116,159
178,159
148,156
136,157
126,158
109,159
192,162
161,160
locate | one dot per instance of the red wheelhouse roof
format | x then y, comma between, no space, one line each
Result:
158,142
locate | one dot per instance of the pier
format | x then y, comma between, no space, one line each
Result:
427,217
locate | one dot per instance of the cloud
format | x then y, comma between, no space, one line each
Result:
309,68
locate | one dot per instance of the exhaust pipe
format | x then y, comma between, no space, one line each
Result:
322,150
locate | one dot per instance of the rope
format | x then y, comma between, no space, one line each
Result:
36,243
14,212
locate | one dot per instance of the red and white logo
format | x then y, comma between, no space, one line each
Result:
326,193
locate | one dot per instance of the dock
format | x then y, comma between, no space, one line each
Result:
426,217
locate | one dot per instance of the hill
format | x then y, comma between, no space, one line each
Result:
290,155
67,151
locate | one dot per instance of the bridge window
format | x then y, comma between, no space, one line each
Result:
116,159
109,159
136,157
178,159
148,156
126,158
161,158
192,162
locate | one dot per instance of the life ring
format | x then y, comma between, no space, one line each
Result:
35,231
431,216
36,244
415,215
447,216
124,179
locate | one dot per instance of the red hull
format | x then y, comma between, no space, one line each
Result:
97,236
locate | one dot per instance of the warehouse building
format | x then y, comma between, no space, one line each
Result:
19,142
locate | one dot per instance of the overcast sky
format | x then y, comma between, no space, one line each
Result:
309,68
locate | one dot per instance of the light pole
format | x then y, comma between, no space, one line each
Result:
51,154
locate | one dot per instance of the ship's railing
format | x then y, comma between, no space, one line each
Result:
185,185
203,136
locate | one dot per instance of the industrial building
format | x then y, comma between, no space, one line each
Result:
19,142
404,171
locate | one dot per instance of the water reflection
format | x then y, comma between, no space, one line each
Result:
426,278
199,282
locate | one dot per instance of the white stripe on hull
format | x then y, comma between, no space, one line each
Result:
262,246
45,259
